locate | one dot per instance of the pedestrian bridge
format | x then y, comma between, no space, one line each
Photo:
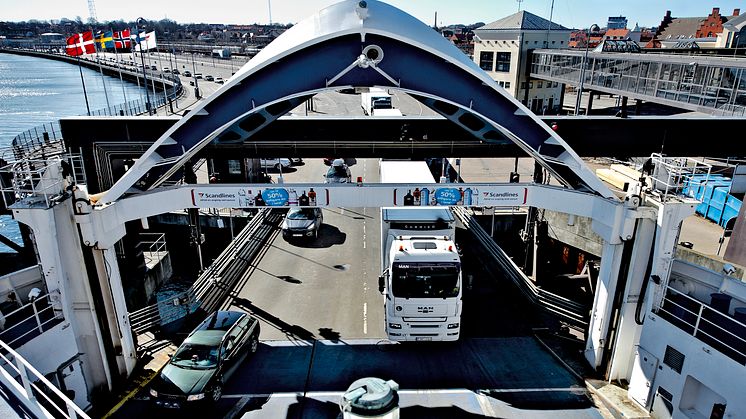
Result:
707,84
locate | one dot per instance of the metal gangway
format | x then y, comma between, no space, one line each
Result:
709,84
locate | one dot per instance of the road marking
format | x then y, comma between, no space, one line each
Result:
408,392
365,318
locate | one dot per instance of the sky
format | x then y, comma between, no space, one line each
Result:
569,13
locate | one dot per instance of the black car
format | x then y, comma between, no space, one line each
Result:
206,360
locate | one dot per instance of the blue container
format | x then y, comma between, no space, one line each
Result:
731,209
707,191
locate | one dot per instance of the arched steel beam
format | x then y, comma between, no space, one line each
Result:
349,45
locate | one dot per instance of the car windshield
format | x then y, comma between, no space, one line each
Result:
196,356
301,214
425,280
338,174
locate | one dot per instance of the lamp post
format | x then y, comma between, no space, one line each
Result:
593,28
140,22
194,74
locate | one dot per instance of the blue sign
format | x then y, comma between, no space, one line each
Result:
275,197
447,196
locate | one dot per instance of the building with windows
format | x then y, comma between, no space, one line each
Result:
502,48
701,32
616,22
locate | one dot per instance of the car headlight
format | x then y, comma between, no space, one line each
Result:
195,397
310,227
153,393
395,325
453,325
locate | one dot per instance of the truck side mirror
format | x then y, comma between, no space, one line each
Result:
381,284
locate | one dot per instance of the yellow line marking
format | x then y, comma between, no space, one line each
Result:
131,394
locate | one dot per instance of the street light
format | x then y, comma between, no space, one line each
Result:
140,22
593,28
194,74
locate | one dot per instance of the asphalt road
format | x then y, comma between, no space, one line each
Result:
325,288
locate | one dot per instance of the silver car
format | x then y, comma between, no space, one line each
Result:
302,223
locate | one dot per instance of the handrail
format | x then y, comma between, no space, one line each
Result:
28,391
56,315
560,306
702,321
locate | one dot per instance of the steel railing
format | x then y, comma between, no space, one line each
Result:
217,281
30,320
35,392
705,323
672,175
153,246
31,180
564,308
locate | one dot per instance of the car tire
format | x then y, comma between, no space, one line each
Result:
217,392
253,344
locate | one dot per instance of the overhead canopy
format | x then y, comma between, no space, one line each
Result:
357,44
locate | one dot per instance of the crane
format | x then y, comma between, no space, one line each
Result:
92,10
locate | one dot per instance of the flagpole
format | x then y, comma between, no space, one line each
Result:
150,63
85,94
142,59
119,67
101,71
134,60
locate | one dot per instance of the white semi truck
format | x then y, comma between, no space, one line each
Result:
377,102
421,279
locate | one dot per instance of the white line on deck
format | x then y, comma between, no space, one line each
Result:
365,318
405,392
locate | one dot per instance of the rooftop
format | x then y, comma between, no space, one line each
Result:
522,20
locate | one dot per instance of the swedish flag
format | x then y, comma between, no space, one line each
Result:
105,40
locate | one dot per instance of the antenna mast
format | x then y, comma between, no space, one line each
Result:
519,4
92,11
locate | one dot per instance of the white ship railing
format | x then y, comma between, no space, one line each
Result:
153,247
672,174
31,180
22,328
705,323
34,391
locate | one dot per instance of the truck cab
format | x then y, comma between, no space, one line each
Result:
421,277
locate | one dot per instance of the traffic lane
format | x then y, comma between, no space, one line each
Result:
514,372
316,288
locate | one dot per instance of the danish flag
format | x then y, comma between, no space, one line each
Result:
80,44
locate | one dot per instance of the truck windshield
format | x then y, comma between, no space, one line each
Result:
425,280
382,103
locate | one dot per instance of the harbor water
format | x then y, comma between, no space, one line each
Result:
34,91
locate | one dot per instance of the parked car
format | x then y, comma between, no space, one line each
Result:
274,163
197,75
176,71
295,160
219,80
166,70
302,223
209,78
208,357
187,73
153,67
328,160
338,173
